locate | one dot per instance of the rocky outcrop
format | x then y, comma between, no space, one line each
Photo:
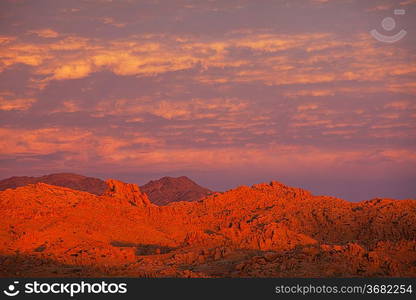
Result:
126,191
267,230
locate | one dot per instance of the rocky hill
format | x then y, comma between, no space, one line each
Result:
267,230
74,181
161,192
170,189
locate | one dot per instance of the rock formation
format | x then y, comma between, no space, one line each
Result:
126,191
267,230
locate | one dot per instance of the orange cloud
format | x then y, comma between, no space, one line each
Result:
72,70
16,103
45,33
381,7
309,106
171,110
407,2
87,148
313,93
400,105
361,58
111,21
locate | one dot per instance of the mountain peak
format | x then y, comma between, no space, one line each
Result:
70,180
161,192
173,189
173,179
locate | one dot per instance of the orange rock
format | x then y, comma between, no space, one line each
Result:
268,230
126,191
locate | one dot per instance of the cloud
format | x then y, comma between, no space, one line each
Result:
135,151
111,21
407,2
311,93
381,7
82,143
45,33
309,106
72,57
215,85
72,70
320,1
192,109
400,105
16,103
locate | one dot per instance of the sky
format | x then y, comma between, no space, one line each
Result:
228,93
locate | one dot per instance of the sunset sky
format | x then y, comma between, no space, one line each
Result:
226,92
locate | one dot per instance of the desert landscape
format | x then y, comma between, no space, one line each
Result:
266,230
207,139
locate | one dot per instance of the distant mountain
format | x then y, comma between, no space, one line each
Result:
73,181
170,189
161,192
